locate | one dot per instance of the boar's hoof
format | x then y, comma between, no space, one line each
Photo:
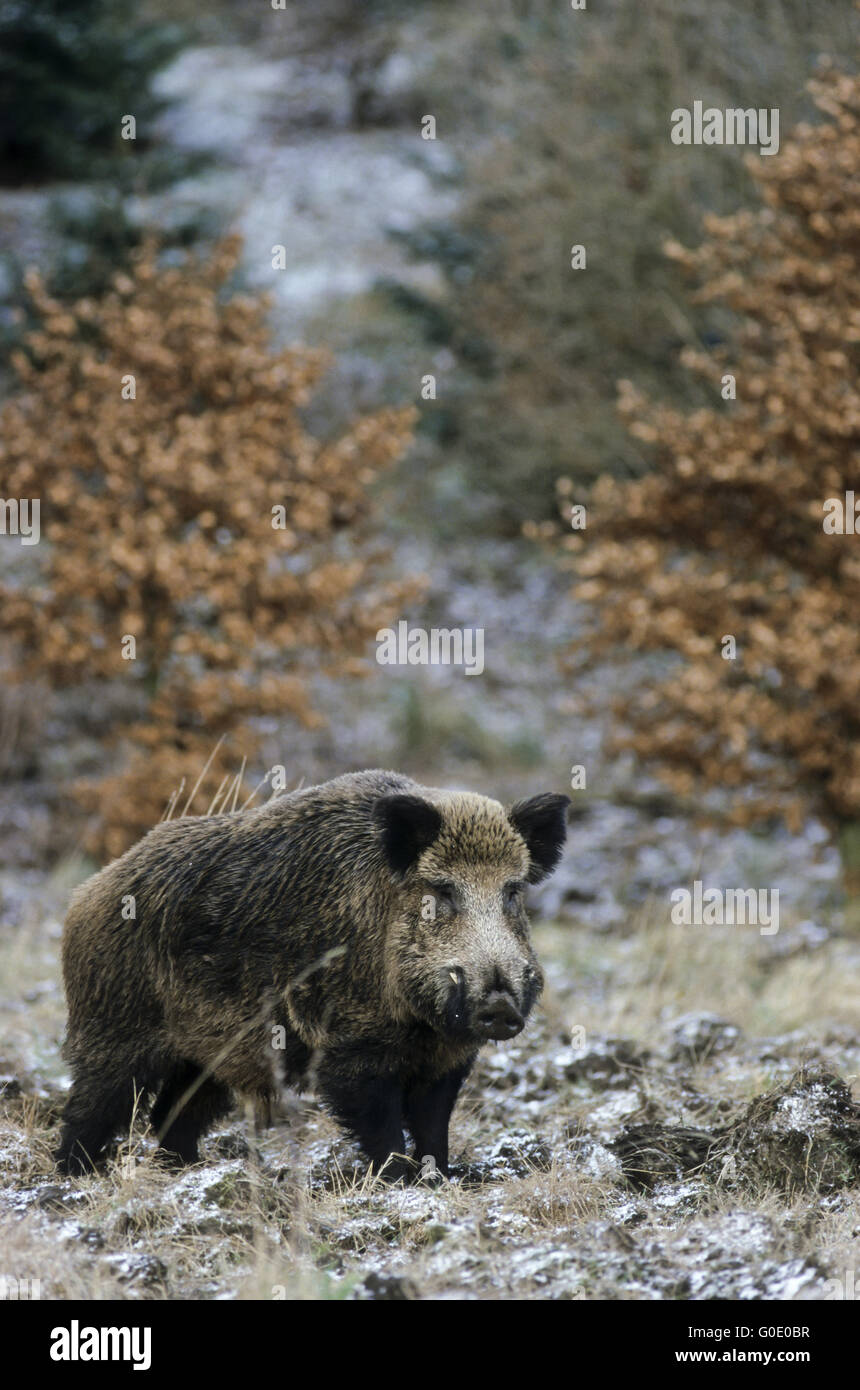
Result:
397,1168
430,1175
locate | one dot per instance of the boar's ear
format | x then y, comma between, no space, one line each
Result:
409,825
542,822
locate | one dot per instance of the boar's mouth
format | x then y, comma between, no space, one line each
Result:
454,1019
494,1017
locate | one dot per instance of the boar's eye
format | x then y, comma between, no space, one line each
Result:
445,895
512,896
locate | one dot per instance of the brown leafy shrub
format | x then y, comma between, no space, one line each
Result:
726,536
161,522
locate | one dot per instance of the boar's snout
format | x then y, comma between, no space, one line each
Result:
485,1008
498,1017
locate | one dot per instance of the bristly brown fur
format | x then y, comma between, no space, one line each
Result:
369,926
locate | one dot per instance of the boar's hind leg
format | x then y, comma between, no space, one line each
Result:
188,1103
95,1111
428,1113
371,1109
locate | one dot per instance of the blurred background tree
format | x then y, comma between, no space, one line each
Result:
727,535
70,70
561,127
185,507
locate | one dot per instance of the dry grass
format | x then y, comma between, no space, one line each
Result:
633,983
540,1208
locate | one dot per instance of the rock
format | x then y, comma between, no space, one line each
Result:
137,1271
52,1197
605,1062
656,1153
388,1288
229,1146
516,1155
696,1036
802,1136
741,1255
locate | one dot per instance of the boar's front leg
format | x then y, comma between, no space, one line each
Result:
188,1104
371,1109
428,1108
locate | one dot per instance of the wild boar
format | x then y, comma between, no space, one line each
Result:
366,936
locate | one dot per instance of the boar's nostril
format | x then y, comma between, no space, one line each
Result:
498,1016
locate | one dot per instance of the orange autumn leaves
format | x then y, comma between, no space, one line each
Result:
157,521
725,536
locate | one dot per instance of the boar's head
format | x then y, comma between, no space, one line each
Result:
458,952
